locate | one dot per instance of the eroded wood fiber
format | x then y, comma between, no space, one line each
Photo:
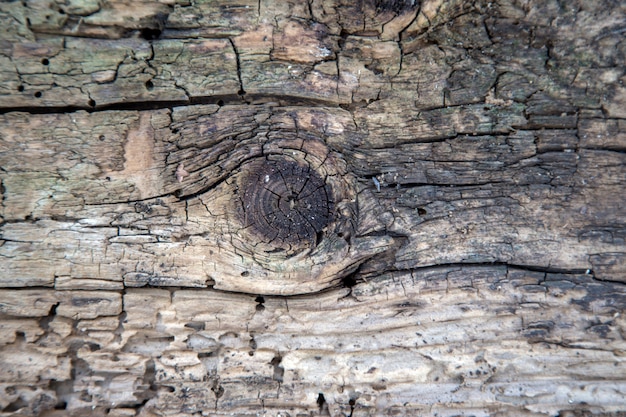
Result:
473,261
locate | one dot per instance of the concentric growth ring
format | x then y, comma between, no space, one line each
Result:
285,203
291,216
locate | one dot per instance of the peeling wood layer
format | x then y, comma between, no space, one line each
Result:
507,341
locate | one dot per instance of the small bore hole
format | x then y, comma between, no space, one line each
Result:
62,405
149,85
245,273
421,211
45,61
220,103
348,281
38,94
321,401
102,137
241,92
20,88
260,307
92,102
150,34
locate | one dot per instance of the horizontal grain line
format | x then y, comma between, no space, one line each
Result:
533,268
229,99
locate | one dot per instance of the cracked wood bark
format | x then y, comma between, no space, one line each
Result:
469,260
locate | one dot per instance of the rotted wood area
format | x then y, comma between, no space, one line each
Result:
330,208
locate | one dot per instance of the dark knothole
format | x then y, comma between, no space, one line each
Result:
285,203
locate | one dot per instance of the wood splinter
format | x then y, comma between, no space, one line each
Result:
181,173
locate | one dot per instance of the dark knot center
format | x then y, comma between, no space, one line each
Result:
285,203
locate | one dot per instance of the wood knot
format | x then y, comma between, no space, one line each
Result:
285,203
282,221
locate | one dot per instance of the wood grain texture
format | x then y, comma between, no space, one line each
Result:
474,262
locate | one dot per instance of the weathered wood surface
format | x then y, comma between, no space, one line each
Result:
473,153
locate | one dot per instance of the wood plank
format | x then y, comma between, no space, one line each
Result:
312,208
